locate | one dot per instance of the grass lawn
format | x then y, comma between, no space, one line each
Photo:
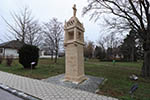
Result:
118,84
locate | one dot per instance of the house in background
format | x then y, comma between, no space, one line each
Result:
47,54
10,48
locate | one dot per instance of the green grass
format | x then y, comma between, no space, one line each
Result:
118,84
45,69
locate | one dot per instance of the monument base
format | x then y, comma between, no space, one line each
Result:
76,80
91,84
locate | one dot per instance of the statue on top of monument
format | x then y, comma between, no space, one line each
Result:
74,10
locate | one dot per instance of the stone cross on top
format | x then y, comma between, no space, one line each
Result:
74,10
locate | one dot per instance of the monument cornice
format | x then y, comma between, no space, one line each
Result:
74,42
74,26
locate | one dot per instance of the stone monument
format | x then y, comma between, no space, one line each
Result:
74,43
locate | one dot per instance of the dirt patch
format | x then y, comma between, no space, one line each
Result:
110,93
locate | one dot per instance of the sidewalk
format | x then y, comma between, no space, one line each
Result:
46,91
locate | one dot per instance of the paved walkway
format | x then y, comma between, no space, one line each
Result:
47,91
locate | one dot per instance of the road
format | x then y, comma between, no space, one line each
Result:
4,95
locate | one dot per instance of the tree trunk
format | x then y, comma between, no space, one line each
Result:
56,53
52,54
132,54
146,64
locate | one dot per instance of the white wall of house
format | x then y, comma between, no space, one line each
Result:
45,56
1,51
9,52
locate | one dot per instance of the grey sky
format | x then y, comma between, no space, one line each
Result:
43,10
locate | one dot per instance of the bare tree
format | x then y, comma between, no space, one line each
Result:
89,49
102,42
25,27
109,44
21,22
128,14
34,34
48,45
53,36
108,41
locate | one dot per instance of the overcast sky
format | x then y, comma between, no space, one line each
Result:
43,10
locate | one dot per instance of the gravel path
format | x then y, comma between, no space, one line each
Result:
90,85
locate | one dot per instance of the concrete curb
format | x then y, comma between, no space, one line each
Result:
18,93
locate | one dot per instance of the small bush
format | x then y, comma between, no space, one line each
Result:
1,59
27,55
9,60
